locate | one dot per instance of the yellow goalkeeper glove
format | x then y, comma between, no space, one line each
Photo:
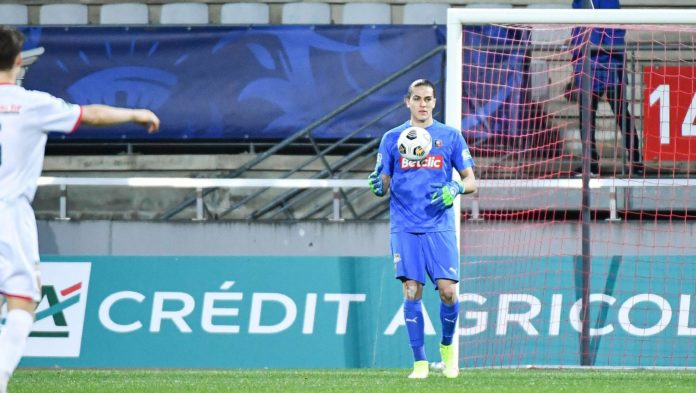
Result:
375,181
445,193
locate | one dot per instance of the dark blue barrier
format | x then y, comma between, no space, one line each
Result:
233,83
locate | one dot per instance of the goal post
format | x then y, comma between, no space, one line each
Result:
566,269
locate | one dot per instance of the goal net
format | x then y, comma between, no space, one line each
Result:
578,249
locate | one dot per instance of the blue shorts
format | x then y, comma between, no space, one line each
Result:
434,253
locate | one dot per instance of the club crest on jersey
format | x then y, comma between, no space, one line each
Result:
429,162
397,257
438,143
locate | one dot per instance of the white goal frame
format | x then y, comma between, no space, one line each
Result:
458,17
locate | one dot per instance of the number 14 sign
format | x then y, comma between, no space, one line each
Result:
669,113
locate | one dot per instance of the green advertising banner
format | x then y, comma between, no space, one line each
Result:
334,312
222,312
528,312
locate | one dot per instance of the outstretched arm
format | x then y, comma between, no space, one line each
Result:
104,115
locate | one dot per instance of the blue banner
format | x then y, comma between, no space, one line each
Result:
494,81
234,83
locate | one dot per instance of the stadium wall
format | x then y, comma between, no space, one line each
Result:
337,239
311,238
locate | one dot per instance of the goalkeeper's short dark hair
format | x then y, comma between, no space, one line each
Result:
11,41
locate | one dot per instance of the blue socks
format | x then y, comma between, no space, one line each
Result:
415,325
413,316
448,317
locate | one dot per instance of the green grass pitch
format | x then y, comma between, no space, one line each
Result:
349,380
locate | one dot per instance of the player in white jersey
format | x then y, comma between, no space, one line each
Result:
25,118
423,237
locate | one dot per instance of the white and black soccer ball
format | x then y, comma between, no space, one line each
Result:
414,143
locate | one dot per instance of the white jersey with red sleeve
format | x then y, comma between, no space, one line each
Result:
26,117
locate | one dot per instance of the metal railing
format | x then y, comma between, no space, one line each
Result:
337,185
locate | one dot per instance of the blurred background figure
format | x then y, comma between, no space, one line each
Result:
607,74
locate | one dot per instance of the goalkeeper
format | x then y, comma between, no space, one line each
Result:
423,237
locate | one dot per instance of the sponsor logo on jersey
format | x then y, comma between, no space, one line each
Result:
11,108
429,162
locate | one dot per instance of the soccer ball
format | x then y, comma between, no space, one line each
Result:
414,143
437,366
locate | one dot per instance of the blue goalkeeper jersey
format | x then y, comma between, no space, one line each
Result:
410,208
